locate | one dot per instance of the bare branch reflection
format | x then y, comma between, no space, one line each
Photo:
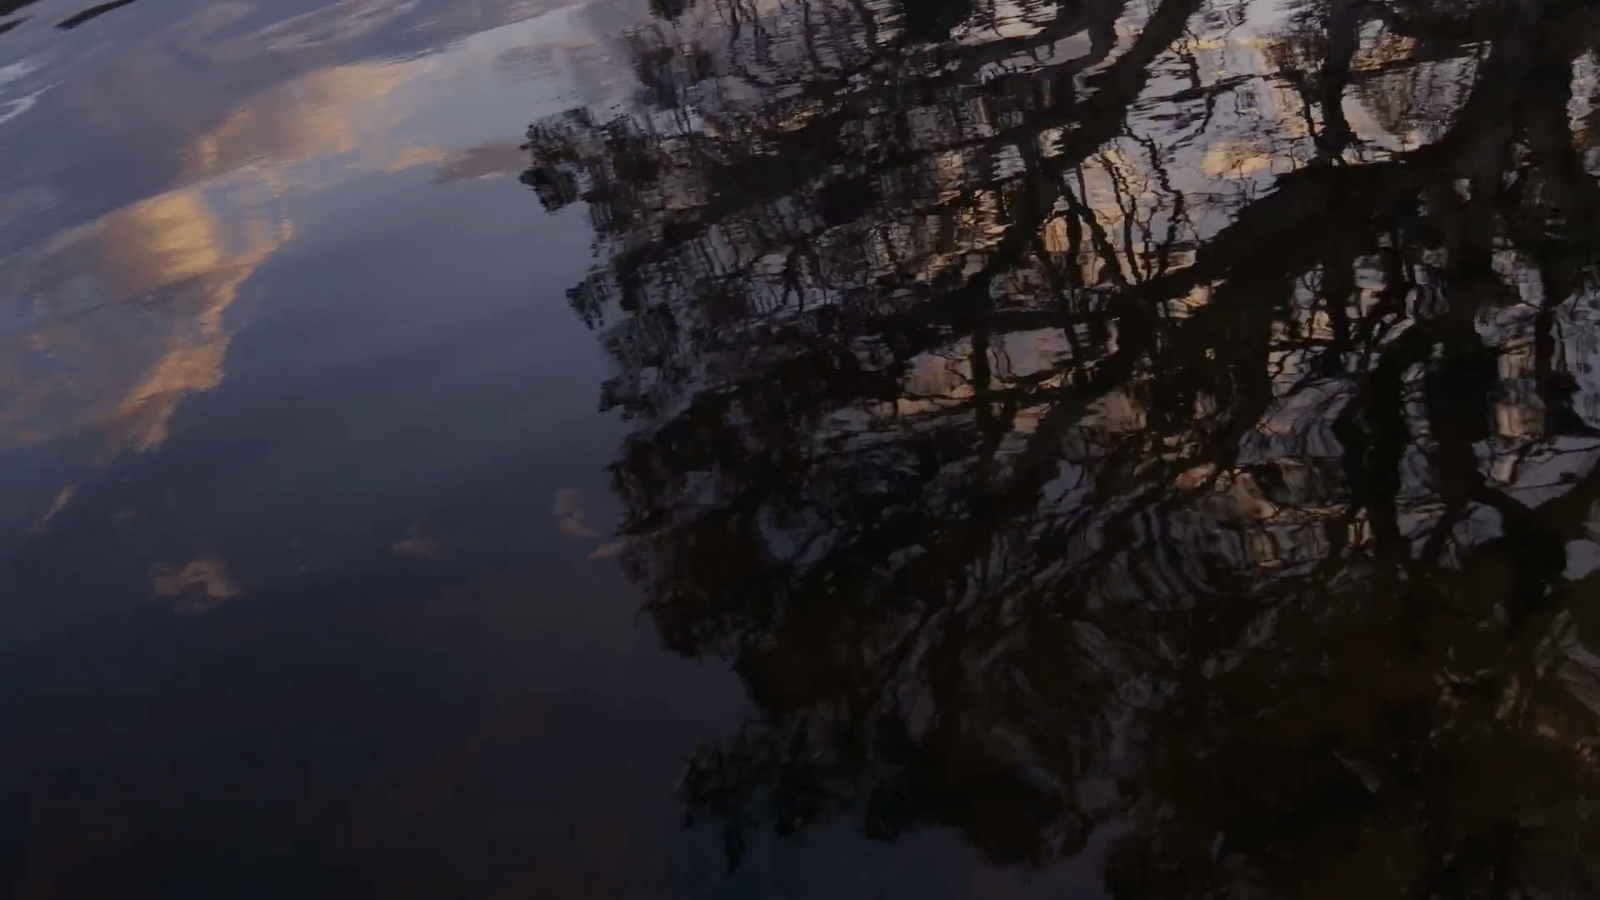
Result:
1174,418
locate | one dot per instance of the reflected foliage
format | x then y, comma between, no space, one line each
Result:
1165,428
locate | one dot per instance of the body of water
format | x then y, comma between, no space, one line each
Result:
806,448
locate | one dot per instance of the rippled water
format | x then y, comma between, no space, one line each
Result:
824,448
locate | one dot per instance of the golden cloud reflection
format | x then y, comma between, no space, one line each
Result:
203,582
119,319
113,322
353,109
125,316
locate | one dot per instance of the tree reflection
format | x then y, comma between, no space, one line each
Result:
1174,419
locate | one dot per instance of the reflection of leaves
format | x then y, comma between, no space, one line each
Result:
1044,468
668,9
931,20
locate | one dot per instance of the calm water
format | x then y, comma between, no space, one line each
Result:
801,448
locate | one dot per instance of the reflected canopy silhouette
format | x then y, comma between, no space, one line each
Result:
1173,421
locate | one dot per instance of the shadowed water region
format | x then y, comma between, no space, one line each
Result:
800,448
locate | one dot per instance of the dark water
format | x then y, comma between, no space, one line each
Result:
840,448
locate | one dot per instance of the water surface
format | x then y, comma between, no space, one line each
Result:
800,448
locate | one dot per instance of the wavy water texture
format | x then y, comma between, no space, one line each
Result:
1167,419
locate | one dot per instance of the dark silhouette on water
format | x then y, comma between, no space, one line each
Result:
1166,422
93,12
